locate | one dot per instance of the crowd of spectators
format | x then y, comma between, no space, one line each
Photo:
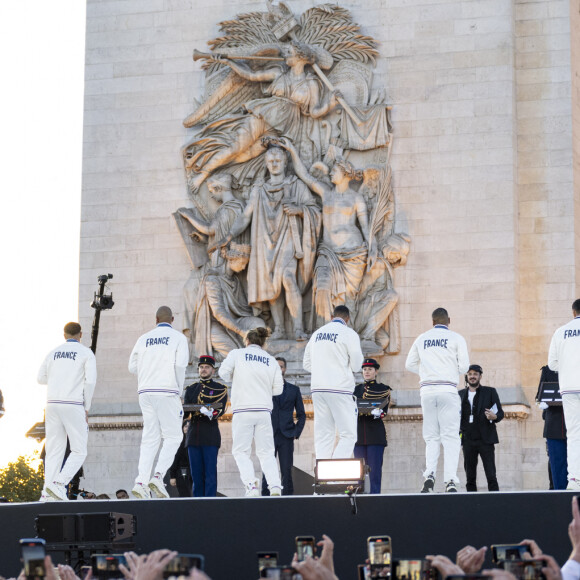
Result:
468,562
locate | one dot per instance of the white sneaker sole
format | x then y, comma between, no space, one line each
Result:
157,491
140,493
53,493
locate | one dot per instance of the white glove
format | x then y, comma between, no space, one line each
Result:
543,406
205,411
376,413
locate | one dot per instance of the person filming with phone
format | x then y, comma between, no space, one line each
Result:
480,411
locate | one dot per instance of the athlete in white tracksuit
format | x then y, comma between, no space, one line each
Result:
256,378
159,360
70,371
439,356
564,358
332,355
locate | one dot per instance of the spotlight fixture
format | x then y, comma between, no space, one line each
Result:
336,476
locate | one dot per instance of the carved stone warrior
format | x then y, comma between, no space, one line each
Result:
220,189
216,299
376,320
222,316
285,228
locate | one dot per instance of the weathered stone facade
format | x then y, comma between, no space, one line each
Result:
484,109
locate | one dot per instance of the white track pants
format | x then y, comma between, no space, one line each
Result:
334,412
571,404
441,421
62,421
162,420
257,426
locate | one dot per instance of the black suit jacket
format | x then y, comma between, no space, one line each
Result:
485,398
283,412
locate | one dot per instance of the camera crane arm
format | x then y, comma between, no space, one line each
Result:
101,301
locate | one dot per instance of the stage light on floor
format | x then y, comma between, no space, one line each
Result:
334,476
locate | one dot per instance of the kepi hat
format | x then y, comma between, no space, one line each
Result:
206,359
371,362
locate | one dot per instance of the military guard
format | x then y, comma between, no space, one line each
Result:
203,438
371,433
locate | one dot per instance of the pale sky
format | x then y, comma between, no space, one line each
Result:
42,64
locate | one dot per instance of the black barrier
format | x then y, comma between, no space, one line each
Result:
229,531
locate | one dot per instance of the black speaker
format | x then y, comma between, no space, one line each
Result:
57,528
88,528
106,527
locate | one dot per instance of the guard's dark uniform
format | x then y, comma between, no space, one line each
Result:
555,435
371,433
203,437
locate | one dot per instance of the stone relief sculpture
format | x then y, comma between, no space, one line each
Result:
285,229
342,253
287,168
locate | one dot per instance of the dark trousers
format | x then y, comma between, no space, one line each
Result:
184,482
203,465
373,456
284,450
471,451
558,454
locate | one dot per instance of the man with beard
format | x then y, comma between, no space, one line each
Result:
480,411
203,438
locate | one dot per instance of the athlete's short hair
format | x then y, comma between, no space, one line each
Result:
576,306
440,316
341,311
72,328
164,314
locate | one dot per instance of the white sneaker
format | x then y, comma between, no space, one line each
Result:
429,484
252,489
157,486
451,487
44,497
141,491
573,484
275,490
56,490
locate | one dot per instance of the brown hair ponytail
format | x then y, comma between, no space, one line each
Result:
258,335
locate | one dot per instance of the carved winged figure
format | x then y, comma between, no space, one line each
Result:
271,88
295,100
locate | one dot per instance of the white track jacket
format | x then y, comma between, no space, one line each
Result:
70,371
438,356
255,376
564,356
332,355
159,360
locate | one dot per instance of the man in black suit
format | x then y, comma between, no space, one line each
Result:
285,430
480,411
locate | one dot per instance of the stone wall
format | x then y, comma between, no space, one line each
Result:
482,165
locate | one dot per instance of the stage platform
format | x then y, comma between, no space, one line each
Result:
229,531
